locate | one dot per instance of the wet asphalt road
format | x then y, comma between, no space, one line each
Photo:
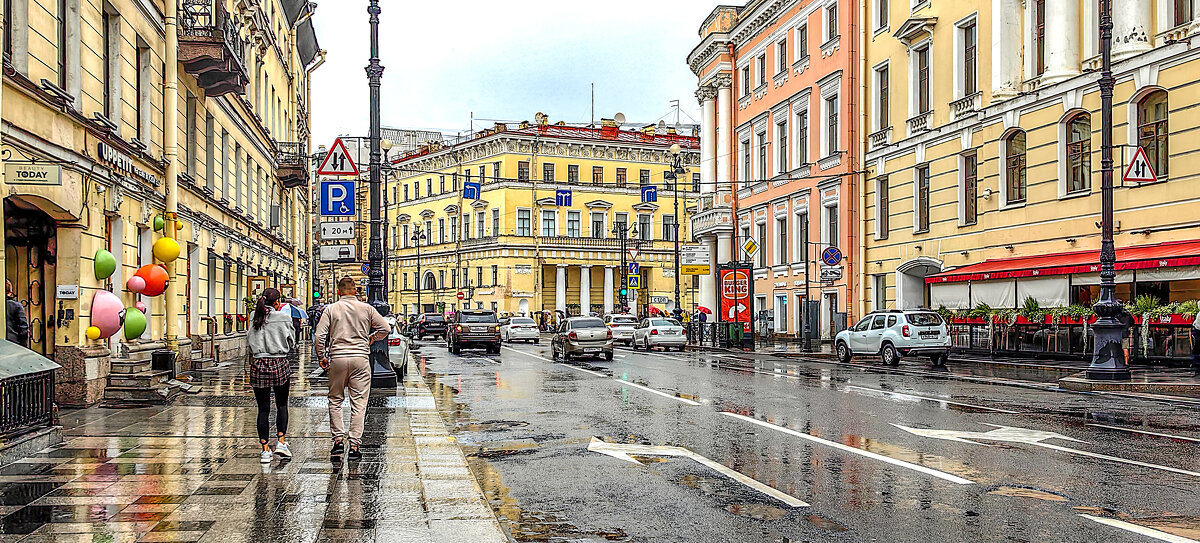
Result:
824,434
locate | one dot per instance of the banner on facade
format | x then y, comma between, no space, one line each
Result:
735,296
32,174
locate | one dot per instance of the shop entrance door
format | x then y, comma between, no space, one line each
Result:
30,254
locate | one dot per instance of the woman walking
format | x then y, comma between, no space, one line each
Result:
271,337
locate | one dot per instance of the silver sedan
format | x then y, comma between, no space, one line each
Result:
654,332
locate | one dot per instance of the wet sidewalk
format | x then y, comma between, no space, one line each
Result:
191,472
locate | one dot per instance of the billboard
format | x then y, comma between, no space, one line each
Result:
736,289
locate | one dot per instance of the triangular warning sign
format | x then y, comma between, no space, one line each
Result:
1139,169
338,161
633,252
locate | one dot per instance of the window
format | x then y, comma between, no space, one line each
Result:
523,226
802,43
762,238
404,236
883,111
428,234
1079,151
923,79
622,224
454,278
746,175
1152,130
831,134
782,53
598,224
495,275
189,124
881,14
762,69
1183,12
781,131
573,224
573,173
429,186
597,175
142,62
441,230
522,171
802,246
405,192
970,193
969,41
802,138
643,177
882,208
453,229
695,182
746,81
1014,161
61,20
547,172
441,184
496,222
549,223
496,171
416,189
482,175
880,294
831,22
479,218
645,228
921,221
762,155
621,174
110,33
831,225
668,227
479,275
1039,37
781,240
404,277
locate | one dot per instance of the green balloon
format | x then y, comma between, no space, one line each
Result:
158,223
135,323
104,264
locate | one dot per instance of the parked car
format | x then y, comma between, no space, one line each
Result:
430,324
895,334
622,325
582,336
519,329
473,328
395,337
659,332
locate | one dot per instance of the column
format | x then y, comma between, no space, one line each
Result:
707,297
724,85
723,252
585,290
1006,33
608,289
560,289
708,138
1133,27
1062,40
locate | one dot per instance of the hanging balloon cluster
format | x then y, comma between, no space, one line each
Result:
108,313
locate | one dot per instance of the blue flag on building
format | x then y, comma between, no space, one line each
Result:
649,193
562,197
471,190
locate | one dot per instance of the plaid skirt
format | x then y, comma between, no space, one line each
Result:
269,372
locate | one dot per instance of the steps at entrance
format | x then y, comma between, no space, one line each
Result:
144,379
203,364
129,366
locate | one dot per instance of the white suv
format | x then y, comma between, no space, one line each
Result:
894,334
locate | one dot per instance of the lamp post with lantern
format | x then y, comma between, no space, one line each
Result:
676,154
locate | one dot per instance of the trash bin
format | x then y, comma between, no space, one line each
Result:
163,360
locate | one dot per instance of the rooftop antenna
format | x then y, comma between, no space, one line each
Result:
592,121
540,118
619,118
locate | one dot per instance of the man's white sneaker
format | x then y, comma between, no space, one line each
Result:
282,450
265,457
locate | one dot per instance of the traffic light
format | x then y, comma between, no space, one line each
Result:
624,289
316,294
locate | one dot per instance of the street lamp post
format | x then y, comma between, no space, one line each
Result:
386,145
673,175
1108,354
622,231
382,374
417,237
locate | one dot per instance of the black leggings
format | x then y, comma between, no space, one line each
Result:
262,396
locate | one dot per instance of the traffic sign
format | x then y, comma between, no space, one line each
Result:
1139,169
461,295
635,268
337,198
649,193
562,197
338,253
366,268
337,161
831,274
750,247
633,282
695,260
831,256
633,252
471,190
337,230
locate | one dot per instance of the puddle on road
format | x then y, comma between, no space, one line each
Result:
825,524
756,511
1028,492
490,426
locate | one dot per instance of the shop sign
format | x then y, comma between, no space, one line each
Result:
32,174
122,163
67,292
735,297
659,300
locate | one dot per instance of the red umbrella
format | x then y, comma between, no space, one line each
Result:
704,310
654,310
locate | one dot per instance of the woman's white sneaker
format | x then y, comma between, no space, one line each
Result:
282,450
265,457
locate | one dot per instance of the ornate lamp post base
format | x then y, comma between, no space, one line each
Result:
1108,357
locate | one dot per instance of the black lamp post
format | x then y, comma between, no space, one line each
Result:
1108,354
382,374
622,231
673,174
417,238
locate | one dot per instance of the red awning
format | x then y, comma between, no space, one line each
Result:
1161,255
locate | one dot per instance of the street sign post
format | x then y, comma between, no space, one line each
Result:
337,199
338,161
562,197
633,282
695,260
332,231
750,247
635,268
1139,169
831,256
338,253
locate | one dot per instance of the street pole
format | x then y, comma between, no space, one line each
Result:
624,288
382,374
1108,354
417,236
673,175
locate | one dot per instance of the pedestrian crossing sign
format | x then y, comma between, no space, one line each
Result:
633,282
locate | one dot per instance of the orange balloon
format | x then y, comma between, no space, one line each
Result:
155,277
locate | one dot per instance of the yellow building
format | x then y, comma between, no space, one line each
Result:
513,249
983,162
138,109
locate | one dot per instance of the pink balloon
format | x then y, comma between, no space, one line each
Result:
107,313
141,306
135,284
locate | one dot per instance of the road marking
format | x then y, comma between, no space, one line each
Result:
544,359
939,400
1149,433
659,392
1030,437
623,452
1141,530
584,370
854,450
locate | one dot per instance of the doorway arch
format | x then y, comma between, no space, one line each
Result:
31,252
523,308
911,291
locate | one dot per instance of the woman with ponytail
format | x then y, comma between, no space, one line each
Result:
270,339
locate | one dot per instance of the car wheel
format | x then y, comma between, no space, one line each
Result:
554,353
843,352
890,356
647,343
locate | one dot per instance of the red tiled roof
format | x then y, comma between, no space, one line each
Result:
1160,255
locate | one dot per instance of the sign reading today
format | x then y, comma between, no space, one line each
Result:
32,174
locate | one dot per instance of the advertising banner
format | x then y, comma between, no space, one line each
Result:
735,296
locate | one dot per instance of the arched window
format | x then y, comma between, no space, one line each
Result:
1079,149
1152,130
430,281
1014,160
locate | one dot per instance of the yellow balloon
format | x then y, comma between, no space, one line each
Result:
178,225
93,332
166,249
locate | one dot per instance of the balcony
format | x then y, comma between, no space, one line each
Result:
711,220
293,164
571,242
966,105
881,138
920,122
210,47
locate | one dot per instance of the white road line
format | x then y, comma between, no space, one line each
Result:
1192,439
659,392
1141,530
584,370
1117,459
939,400
854,450
544,359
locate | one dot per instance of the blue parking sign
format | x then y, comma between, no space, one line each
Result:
337,199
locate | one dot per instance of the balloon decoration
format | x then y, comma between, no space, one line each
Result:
136,284
159,223
107,314
154,279
93,332
178,225
135,324
141,306
166,249
104,264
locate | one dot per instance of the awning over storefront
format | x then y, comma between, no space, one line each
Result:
1145,257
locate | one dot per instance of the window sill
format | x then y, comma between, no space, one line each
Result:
1076,194
801,64
1011,205
886,29
830,46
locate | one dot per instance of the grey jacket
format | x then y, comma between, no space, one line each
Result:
276,337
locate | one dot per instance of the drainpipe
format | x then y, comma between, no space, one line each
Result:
171,155
312,189
859,144
3,191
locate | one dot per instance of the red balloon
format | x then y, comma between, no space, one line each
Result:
155,277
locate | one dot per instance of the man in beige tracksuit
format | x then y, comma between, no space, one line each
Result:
343,341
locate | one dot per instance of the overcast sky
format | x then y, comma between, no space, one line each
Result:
505,61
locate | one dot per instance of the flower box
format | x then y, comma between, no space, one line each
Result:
969,320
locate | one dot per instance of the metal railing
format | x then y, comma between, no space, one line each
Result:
208,19
26,402
291,153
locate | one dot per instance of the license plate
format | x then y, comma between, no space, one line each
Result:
591,350
929,334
